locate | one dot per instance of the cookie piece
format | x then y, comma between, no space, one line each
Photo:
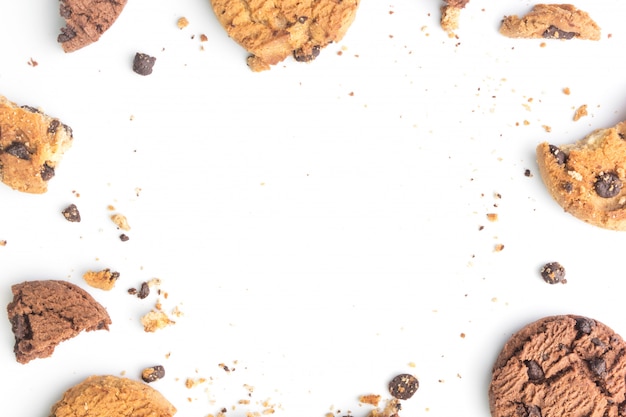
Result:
551,21
86,21
451,13
46,313
565,365
587,178
111,396
273,30
31,146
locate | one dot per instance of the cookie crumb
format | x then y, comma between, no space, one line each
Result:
182,23
580,112
143,63
3,242
104,280
155,320
553,273
403,386
71,213
153,373
124,237
567,91
492,217
499,247
120,221
372,399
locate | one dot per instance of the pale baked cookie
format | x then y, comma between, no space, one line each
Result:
551,21
111,396
587,178
31,146
565,365
86,21
271,30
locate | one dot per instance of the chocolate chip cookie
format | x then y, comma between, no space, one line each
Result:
86,21
564,365
111,396
587,177
273,30
46,313
551,21
31,146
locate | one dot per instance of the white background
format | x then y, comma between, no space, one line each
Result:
317,224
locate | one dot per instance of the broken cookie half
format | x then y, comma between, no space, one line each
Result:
551,21
86,21
31,146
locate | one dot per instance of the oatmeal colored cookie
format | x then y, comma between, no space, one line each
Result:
587,178
551,21
565,365
46,313
273,30
31,146
86,21
110,396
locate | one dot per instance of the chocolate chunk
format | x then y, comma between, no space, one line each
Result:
555,33
18,150
584,325
31,109
403,386
53,126
71,213
47,172
142,64
598,367
20,327
568,187
124,237
67,34
553,273
153,373
561,157
307,55
608,185
535,372
144,291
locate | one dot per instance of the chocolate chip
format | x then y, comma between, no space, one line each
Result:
47,172
621,136
584,325
143,63
553,273
21,327
53,126
598,367
302,55
608,185
71,213
561,157
144,291
65,11
68,130
30,109
555,33
403,386
67,34
153,373
18,150
567,187
124,238
535,372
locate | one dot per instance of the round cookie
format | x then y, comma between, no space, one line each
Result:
564,365
273,30
587,178
111,396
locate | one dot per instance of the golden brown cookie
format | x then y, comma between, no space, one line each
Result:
565,365
31,146
86,21
271,30
111,396
587,178
551,21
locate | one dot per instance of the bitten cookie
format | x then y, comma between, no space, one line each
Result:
86,21
563,365
273,30
587,178
31,146
46,313
110,396
551,21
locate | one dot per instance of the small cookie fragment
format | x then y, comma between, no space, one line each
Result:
273,30
120,221
86,21
111,396
71,213
551,21
564,365
31,146
587,178
403,386
553,273
451,13
155,320
46,313
104,279
143,63
153,373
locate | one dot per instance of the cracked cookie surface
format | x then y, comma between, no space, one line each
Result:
273,30
48,312
111,396
565,365
86,21
587,178
31,146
